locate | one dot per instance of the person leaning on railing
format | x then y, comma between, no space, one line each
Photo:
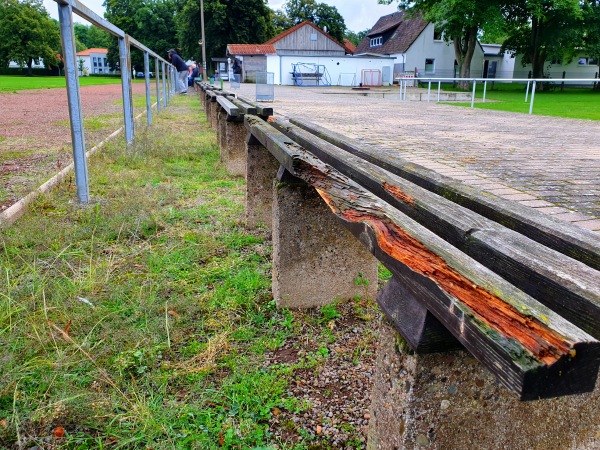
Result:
182,71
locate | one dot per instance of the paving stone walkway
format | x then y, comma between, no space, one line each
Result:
548,163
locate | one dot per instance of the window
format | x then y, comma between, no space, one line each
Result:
313,37
375,42
437,34
429,65
105,62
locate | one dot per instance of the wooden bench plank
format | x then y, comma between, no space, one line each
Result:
231,109
569,287
262,111
574,241
532,350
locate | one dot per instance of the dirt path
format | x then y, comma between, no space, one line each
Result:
35,137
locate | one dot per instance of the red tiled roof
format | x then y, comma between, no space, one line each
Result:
350,47
251,49
297,27
92,50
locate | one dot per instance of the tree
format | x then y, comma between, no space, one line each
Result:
459,21
539,30
27,34
355,38
226,22
151,22
324,16
591,34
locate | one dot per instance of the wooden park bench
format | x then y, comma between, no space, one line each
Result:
300,77
516,288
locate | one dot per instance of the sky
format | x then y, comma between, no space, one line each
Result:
358,15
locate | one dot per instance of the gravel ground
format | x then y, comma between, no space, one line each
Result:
35,136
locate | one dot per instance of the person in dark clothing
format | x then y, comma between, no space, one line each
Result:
182,71
193,74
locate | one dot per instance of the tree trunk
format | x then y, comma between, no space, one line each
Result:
537,54
29,67
464,48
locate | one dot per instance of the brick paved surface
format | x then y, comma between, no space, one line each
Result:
548,163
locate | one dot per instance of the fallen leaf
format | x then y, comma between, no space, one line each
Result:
173,313
67,328
319,429
3,423
221,440
59,432
276,411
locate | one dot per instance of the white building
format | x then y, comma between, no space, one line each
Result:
94,61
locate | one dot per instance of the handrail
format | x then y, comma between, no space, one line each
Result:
531,83
66,8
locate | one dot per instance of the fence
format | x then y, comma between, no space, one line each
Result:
65,14
405,82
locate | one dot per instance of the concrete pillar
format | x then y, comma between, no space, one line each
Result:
315,259
221,120
233,147
450,401
261,170
212,113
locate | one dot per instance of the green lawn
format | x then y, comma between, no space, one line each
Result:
144,320
576,103
13,83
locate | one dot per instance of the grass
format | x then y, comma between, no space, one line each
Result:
575,103
142,320
12,83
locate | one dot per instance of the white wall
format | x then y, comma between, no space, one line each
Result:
572,69
348,67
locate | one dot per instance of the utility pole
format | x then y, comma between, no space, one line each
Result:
203,41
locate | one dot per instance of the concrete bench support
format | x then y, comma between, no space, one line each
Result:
261,170
315,259
450,401
213,110
233,146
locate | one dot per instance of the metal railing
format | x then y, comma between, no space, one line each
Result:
66,8
403,83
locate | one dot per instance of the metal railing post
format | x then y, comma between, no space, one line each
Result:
125,64
164,84
428,90
439,90
527,91
65,14
157,75
484,91
147,82
473,94
532,97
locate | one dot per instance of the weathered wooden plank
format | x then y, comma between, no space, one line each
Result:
532,350
244,107
261,111
566,238
232,111
423,332
211,96
569,287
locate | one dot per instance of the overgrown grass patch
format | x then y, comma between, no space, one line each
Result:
142,319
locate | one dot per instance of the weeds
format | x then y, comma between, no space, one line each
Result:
142,319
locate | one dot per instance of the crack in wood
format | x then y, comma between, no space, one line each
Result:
352,205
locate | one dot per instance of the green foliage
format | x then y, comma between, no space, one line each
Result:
27,34
226,22
150,22
539,30
355,38
460,21
90,36
321,14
